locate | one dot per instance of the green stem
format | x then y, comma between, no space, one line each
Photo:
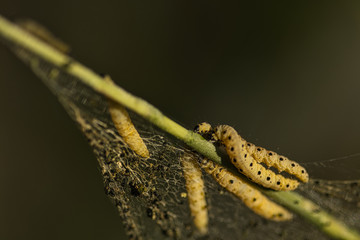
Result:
314,214
15,34
303,207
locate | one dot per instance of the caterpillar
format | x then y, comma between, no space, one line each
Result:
126,128
281,163
196,193
250,196
43,34
247,158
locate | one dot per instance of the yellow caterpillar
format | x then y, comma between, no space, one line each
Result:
246,158
126,128
281,163
251,197
196,193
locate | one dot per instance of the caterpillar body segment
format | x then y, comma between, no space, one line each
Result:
126,128
195,192
251,197
281,163
246,164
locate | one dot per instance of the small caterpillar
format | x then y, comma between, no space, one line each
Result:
281,163
126,128
196,193
247,160
43,34
251,197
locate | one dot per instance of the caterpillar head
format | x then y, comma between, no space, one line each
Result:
202,128
205,130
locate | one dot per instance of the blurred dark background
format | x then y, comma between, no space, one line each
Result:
286,75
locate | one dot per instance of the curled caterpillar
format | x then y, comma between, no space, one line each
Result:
196,193
281,163
251,197
247,160
126,128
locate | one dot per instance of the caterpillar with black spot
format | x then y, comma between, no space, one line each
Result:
247,161
250,196
281,163
196,193
126,128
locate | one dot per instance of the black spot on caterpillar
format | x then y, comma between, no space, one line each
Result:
247,162
196,193
251,197
126,128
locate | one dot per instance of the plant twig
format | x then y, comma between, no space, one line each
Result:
314,214
300,205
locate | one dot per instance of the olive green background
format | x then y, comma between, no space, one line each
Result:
285,74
